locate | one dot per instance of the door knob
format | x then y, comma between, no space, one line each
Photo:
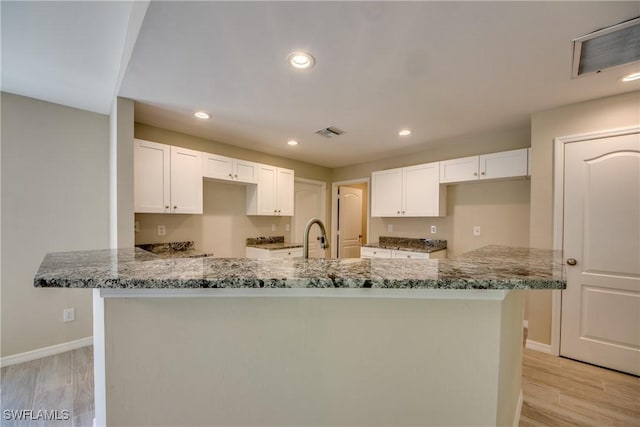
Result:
572,261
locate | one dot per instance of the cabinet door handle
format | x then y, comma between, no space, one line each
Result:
236,175
403,212
230,176
475,174
482,173
398,212
166,207
175,207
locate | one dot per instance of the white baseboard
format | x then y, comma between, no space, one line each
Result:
537,346
39,353
516,420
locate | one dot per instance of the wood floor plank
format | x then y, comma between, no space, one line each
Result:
18,389
84,420
83,402
55,371
54,399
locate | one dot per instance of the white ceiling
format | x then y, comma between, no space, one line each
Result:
64,52
442,69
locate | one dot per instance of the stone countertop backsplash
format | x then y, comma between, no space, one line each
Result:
491,267
271,243
174,250
409,244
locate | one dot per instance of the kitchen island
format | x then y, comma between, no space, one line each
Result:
307,342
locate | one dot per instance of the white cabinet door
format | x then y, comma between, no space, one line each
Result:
151,178
459,170
284,191
273,194
422,194
217,167
258,253
245,171
186,181
505,164
386,193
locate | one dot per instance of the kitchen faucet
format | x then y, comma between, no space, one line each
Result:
323,237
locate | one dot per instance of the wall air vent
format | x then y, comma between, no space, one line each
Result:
607,48
330,132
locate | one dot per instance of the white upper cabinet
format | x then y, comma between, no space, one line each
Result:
386,193
228,169
273,194
151,177
186,181
505,164
413,191
166,179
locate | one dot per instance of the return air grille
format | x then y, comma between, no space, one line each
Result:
607,48
330,132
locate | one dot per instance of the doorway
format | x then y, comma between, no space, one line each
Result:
309,202
600,239
350,214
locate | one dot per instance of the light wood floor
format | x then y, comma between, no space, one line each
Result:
557,391
60,382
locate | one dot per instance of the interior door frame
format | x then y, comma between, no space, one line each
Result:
323,204
558,213
334,210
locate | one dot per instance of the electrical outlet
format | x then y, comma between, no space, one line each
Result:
68,314
273,227
390,228
136,226
476,230
434,229
162,230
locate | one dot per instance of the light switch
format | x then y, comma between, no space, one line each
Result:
476,230
273,227
390,228
434,229
162,230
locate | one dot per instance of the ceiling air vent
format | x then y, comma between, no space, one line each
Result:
330,132
607,48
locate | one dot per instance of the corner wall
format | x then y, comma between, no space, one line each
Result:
55,197
590,116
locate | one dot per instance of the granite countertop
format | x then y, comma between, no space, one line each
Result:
174,250
271,243
409,244
491,267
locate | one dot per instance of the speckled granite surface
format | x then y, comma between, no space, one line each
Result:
492,267
409,244
271,243
174,250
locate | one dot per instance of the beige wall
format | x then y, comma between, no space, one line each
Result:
55,197
224,225
500,208
590,116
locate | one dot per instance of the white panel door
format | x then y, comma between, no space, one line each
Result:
421,190
151,178
186,181
601,305
284,191
386,193
459,170
349,222
504,164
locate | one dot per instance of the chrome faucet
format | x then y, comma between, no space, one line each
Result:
323,237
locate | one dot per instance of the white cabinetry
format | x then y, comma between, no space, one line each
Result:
366,252
166,179
273,194
273,253
414,191
228,169
505,164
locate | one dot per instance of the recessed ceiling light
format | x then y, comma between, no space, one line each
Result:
292,142
202,115
631,77
404,132
301,60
